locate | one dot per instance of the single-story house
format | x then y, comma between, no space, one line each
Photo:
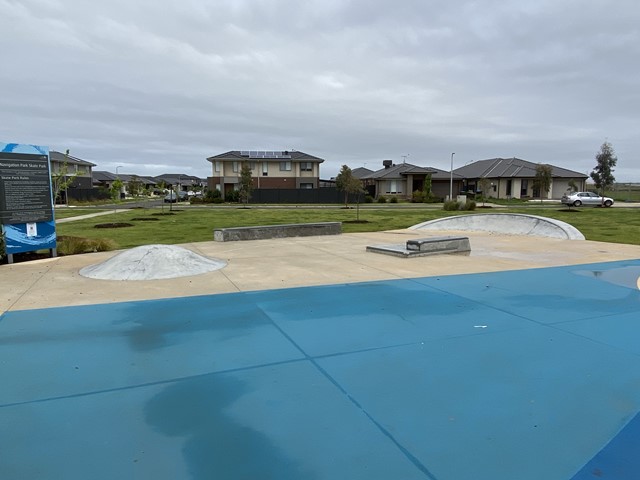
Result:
514,178
103,179
403,179
180,181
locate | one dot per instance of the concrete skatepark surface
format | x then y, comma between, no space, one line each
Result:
311,358
505,223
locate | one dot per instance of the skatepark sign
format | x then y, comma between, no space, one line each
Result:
26,203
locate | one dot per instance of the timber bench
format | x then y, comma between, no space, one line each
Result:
277,231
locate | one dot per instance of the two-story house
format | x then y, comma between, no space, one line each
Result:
287,169
72,166
67,166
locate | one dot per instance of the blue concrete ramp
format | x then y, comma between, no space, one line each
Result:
523,375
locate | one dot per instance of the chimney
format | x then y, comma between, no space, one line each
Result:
387,163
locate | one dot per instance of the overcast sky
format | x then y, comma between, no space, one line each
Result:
156,86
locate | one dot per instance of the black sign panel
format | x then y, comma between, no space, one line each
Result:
25,188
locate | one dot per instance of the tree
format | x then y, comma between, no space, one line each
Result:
347,183
61,180
162,185
115,189
572,186
427,188
135,185
484,184
246,184
602,174
542,180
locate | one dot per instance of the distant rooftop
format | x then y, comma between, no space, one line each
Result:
242,155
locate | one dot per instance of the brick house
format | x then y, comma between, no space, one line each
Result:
287,169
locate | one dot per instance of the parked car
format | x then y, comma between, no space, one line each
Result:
578,199
172,198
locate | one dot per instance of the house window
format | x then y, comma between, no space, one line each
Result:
306,167
265,169
508,188
306,185
285,166
235,167
252,165
217,166
393,187
524,186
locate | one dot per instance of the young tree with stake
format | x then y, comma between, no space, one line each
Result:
602,174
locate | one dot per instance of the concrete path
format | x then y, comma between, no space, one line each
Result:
91,215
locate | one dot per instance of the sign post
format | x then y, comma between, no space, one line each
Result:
26,202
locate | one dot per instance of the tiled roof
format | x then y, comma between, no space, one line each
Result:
70,159
361,172
403,169
175,178
510,168
272,156
100,176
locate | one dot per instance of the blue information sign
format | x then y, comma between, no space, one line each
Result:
26,203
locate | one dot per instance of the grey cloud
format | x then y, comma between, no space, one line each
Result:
171,82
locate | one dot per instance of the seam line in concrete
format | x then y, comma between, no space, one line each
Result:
407,454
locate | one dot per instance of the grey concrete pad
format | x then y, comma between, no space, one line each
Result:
292,262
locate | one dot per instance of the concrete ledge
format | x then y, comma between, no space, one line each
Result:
276,231
507,223
439,244
421,247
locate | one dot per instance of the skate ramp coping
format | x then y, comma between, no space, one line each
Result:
505,223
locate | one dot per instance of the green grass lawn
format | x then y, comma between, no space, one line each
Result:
621,225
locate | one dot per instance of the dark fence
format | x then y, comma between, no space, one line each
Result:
87,194
301,195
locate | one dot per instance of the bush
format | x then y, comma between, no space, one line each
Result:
368,199
232,196
451,206
394,200
454,206
418,197
382,199
76,245
213,196
3,250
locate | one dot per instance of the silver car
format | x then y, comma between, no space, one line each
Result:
578,199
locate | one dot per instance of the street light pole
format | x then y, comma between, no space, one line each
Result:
120,191
451,179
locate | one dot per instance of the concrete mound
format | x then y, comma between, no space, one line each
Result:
505,223
152,262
